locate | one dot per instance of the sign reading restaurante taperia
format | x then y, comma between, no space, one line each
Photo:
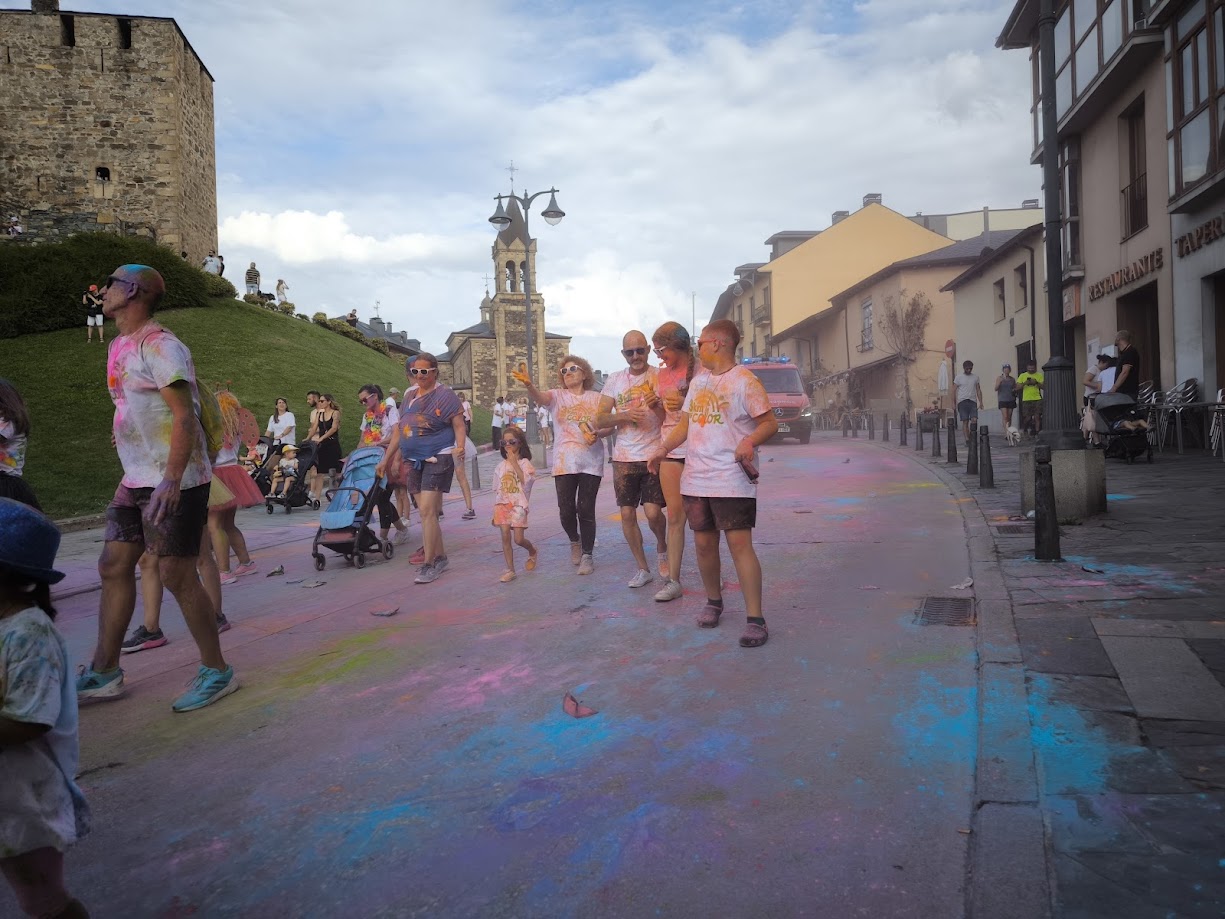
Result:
1196,239
1144,265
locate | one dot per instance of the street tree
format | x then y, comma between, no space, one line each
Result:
903,326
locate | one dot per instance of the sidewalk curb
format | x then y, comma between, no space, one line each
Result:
1008,861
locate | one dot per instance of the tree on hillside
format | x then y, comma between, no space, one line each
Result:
903,325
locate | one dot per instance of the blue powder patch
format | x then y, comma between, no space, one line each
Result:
846,501
1120,497
939,726
837,517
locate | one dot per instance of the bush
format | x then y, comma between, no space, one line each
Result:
41,286
340,327
217,286
253,299
286,307
320,319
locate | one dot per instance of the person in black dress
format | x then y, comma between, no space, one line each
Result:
326,434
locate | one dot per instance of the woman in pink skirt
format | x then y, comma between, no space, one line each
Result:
222,529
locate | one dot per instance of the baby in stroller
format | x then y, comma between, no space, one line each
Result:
286,471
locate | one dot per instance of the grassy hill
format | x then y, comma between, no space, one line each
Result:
71,464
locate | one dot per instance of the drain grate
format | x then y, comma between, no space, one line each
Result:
945,611
1014,530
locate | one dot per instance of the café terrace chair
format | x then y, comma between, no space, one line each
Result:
1176,402
1214,430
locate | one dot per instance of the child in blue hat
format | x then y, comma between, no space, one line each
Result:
42,811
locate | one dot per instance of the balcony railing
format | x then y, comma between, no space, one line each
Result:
761,315
1135,206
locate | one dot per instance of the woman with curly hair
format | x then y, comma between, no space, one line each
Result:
677,362
578,458
14,433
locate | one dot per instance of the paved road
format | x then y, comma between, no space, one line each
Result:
422,764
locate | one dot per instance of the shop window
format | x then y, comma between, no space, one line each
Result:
1001,311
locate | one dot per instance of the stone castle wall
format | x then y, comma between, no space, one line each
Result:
75,99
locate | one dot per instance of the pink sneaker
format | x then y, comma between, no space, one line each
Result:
228,577
248,568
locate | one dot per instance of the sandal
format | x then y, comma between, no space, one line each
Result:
754,635
709,617
507,576
531,562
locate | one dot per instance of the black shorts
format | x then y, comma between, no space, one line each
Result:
1008,404
634,485
432,476
706,514
177,536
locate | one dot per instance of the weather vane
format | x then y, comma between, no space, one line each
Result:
512,170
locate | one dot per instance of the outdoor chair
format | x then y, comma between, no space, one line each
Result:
1175,404
1214,430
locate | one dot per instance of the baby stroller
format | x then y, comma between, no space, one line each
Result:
298,494
262,476
344,527
1123,429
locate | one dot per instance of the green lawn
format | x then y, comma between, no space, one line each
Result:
71,464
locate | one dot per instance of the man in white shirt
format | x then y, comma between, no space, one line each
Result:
969,397
467,406
499,418
630,402
542,421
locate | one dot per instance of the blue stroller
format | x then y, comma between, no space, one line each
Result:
344,526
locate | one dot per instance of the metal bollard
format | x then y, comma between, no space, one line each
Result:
884,427
986,472
918,432
474,478
972,450
936,440
871,426
901,429
846,425
952,448
1046,519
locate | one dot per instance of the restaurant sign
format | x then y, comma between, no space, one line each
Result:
1196,239
1145,265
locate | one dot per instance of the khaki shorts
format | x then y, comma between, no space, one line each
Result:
177,536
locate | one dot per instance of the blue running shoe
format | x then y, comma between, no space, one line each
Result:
208,686
94,685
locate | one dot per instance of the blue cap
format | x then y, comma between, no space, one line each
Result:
28,542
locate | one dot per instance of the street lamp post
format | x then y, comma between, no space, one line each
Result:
501,220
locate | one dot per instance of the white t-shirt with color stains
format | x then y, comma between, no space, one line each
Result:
571,453
138,367
635,442
721,410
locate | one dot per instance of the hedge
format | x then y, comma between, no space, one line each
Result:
41,286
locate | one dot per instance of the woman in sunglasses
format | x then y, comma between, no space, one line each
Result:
578,460
430,438
677,362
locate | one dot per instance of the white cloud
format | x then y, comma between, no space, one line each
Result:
359,148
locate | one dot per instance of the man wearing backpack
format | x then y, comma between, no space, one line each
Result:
161,505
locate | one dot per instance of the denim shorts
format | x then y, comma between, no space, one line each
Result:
432,476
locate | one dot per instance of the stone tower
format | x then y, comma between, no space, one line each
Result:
108,124
480,358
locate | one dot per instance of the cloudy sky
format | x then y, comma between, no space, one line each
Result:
359,147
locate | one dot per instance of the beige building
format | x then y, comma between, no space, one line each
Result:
996,319
888,368
479,359
108,124
1110,91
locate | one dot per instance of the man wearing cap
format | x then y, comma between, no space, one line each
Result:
161,505
969,392
92,301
